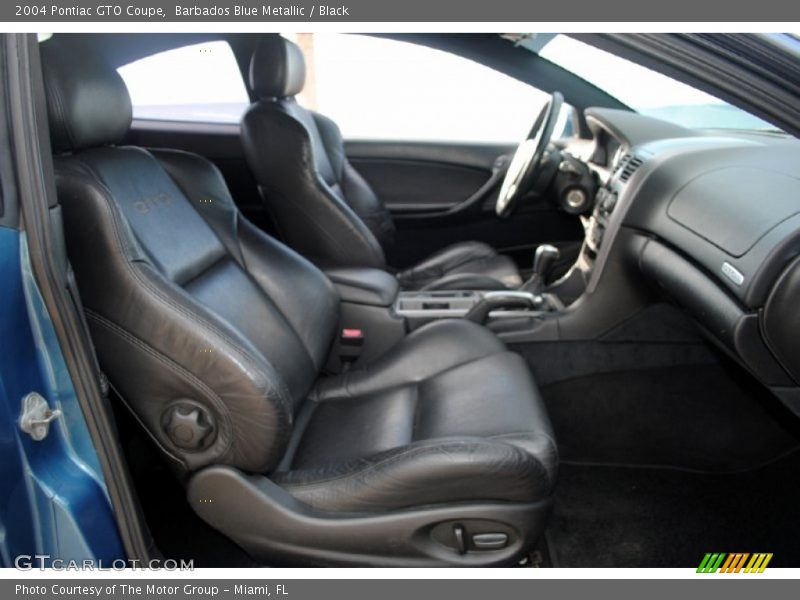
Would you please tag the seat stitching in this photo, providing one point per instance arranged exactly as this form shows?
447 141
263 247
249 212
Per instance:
155 290
347 377
169 363
530 435
524 434
248 358
273 304
292 125
410 452
242 262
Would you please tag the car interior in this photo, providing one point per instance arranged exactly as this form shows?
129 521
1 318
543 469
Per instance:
575 352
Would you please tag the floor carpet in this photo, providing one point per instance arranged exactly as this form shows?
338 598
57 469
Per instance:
660 466
646 517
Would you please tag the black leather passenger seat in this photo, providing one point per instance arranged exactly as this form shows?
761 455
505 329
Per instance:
323 207
215 334
450 405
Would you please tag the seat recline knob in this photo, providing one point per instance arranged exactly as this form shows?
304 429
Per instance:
189 426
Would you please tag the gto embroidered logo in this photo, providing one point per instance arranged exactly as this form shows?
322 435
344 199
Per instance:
150 202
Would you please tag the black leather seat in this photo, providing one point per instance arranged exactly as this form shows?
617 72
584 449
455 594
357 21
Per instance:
324 209
215 335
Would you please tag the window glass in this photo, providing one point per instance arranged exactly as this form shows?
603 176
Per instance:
385 89
201 82
647 92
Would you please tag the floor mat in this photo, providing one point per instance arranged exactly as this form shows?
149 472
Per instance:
652 517
700 417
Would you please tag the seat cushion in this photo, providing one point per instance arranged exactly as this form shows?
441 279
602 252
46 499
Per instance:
448 416
468 265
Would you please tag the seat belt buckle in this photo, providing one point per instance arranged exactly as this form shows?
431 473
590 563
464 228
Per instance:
351 341
352 337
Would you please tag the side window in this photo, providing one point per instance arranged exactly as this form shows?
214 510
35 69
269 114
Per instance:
385 89
200 83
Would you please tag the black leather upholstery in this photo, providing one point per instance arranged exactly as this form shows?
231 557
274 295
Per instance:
96 112
466 266
449 415
186 300
323 207
372 287
304 189
288 76
216 336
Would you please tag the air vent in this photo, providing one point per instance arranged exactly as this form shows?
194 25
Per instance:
629 167
620 162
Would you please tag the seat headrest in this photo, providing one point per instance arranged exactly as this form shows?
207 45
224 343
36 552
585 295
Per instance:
277 68
87 102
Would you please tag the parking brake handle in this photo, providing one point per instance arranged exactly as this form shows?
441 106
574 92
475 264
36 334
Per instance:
502 299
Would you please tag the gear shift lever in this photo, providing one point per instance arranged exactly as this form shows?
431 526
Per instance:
544 258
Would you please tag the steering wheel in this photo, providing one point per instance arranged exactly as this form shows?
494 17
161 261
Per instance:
526 165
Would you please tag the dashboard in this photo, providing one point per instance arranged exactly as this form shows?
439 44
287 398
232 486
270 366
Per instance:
712 221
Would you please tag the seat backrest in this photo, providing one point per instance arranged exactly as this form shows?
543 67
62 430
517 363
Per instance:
321 204
212 331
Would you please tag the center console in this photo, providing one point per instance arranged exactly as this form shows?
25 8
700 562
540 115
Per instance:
375 314
483 307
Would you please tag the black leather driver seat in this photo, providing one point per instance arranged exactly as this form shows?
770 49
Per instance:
439 452
324 209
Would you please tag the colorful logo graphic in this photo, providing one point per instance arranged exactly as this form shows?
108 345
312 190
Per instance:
739 562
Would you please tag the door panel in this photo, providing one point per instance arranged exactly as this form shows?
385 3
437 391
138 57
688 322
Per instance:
443 193
417 178
411 186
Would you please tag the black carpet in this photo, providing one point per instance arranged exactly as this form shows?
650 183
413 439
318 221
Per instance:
642 517
699 417
660 466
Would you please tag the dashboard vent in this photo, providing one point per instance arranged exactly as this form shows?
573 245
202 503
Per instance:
619 163
629 167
